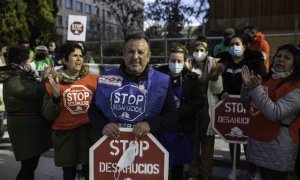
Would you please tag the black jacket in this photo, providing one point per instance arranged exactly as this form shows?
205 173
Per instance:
232 79
192 100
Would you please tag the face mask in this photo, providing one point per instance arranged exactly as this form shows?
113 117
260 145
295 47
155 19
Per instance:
175 67
199 56
128 156
236 51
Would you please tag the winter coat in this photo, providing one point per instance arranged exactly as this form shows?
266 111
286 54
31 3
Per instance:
192 98
279 153
29 132
260 44
232 78
71 146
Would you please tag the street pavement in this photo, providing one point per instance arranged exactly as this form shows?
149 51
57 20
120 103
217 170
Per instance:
48 171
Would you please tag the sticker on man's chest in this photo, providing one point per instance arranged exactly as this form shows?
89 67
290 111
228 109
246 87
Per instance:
110 80
128 102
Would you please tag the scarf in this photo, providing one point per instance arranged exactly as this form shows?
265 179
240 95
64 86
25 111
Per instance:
281 75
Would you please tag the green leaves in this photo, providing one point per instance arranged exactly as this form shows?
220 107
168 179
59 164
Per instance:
27 18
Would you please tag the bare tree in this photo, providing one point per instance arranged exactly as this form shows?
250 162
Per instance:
174 14
128 15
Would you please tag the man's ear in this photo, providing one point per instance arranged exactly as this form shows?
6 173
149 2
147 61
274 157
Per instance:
149 54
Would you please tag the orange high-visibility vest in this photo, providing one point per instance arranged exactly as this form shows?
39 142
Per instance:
263 129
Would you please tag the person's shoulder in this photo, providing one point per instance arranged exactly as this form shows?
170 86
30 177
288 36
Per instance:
7 72
158 76
254 55
112 71
188 74
158 73
224 57
164 68
220 45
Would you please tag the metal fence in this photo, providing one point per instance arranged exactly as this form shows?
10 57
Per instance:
109 52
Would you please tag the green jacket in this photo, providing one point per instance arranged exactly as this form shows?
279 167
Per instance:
41 64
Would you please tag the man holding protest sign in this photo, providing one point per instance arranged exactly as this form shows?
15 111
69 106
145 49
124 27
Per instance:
133 96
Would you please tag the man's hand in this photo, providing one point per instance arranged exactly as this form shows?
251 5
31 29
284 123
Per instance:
111 130
141 128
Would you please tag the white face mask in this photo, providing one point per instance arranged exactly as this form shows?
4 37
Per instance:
127 158
236 51
199 56
175 67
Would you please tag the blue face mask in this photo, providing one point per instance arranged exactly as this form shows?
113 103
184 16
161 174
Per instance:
236 51
175 67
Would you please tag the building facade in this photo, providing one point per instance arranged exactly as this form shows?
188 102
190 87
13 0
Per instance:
269 16
101 23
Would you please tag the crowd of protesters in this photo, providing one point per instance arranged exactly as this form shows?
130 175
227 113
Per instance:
178 97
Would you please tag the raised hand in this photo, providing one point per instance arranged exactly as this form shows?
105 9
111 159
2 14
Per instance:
249 79
246 75
54 86
47 71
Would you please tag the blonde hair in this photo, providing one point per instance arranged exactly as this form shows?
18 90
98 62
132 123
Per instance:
201 43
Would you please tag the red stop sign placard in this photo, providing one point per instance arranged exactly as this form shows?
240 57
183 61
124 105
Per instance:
230 120
77 99
151 160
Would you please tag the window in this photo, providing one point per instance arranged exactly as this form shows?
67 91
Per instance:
110 31
59 21
88 8
108 15
96 10
88 25
78 6
93 26
69 4
58 2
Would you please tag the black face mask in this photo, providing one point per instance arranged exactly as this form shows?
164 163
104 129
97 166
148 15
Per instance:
40 56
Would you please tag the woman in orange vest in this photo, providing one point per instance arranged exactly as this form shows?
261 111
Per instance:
67 101
274 105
